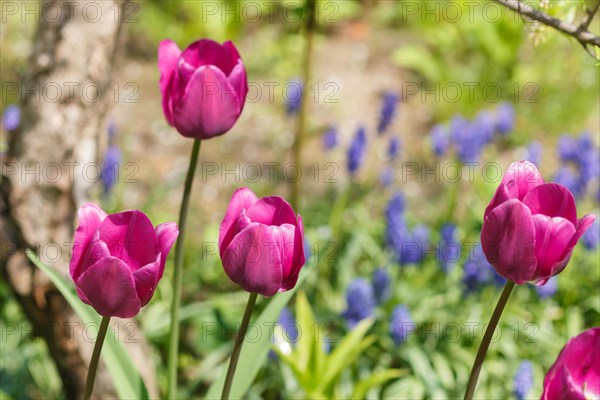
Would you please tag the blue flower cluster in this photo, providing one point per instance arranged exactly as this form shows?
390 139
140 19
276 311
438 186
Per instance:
382 285
580 163
360 302
293 96
356 151
409 246
393 148
330 138
534 152
388 110
478 272
401 324
448 251
471 137
523 380
110 165
287 322
11 117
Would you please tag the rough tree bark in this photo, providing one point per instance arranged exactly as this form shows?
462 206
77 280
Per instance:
50 168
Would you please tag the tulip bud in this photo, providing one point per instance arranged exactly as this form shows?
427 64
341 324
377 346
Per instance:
530 227
576 372
118 259
261 243
203 88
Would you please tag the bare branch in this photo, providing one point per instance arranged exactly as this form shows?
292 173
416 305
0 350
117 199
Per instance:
580 33
590 16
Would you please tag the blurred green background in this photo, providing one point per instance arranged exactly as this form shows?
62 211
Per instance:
362 48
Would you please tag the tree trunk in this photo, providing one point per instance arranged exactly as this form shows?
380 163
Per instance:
50 168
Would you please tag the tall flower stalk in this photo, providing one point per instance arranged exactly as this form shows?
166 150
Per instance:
237 348
178 273
487 337
261 244
91 375
529 231
200 114
306 76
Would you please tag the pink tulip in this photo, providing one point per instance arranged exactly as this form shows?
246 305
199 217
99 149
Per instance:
261 243
203 88
118 259
530 227
575 374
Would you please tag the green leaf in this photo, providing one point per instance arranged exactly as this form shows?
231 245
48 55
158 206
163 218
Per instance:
128 382
419 59
345 353
376 379
254 354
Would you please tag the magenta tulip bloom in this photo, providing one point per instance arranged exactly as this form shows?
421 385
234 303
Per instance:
118 259
203 88
575 374
261 242
530 227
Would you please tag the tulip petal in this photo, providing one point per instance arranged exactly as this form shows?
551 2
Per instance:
130 237
146 279
272 210
252 260
508 241
206 52
109 287
505 191
284 235
168 55
234 56
166 235
242 199
299 257
553 200
95 251
238 81
576 371
209 106
583 225
519 179
90 216
552 237
525 174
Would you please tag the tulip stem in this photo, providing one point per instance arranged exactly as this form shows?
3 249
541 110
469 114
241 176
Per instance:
237 348
91 375
487 337
178 274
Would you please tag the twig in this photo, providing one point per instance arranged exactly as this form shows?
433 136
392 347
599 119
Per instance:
590 16
582 35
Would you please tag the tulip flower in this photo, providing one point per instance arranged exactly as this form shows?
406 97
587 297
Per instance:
530 227
529 231
118 259
261 243
203 88
576 372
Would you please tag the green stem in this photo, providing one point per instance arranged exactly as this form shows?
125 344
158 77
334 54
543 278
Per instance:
178 274
237 348
91 376
301 127
487 337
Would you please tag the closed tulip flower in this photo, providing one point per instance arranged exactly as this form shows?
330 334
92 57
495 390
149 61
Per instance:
530 227
261 243
575 374
118 259
203 88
